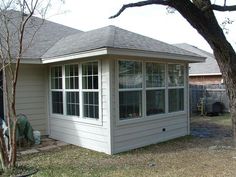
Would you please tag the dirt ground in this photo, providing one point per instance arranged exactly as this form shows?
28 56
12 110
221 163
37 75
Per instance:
215 127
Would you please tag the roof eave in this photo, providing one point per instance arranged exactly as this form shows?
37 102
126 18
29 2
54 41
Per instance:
31 61
123 52
90 53
205 74
150 54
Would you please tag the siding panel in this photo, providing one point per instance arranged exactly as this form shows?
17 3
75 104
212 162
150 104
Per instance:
78 132
31 95
138 133
135 135
147 140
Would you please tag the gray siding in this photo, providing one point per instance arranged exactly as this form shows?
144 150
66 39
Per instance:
148 132
139 133
88 135
31 97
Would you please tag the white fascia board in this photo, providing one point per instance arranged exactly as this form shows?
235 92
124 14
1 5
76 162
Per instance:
206 74
31 61
90 53
123 52
129 52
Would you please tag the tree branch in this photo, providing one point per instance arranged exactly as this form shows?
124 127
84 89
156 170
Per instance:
140 4
223 8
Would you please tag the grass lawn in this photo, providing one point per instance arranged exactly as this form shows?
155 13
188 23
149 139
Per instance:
222 120
183 157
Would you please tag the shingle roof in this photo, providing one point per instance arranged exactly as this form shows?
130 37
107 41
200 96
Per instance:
111 37
48 33
53 40
209 67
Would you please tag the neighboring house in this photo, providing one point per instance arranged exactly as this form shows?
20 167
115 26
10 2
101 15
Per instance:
205 73
109 89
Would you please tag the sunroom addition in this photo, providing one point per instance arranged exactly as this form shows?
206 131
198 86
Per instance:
109 89
117 90
113 105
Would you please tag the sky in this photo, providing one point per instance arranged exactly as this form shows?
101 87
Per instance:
152 21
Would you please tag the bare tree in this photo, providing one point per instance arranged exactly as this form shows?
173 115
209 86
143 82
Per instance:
17 31
200 14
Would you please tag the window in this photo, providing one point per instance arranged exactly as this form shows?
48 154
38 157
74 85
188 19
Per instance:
155 88
72 90
56 90
130 74
72 76
159 89
56 77
130 89
90 90
90 75
57 102
176 87
175 75
75 90
176 100
91 104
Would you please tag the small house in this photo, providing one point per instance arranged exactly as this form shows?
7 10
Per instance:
109 89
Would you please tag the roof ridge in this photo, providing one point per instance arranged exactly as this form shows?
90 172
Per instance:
111 35
58 41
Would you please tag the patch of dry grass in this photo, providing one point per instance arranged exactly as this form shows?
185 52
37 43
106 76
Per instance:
222 120
192 157
183 157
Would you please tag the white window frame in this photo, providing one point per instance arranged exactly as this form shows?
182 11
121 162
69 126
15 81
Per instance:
80 118
130 90
155 88
144 116
70 90
176 87
90 90
55 90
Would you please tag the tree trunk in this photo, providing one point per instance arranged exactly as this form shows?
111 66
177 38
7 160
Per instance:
233 117
205 22
3 152
227 62
13 145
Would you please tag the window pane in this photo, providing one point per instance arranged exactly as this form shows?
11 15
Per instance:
57 102
130 104
155 75
90 105
130 74
155 100
95 82
56 77
72 77
90 75
72 103
176 100
175 75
